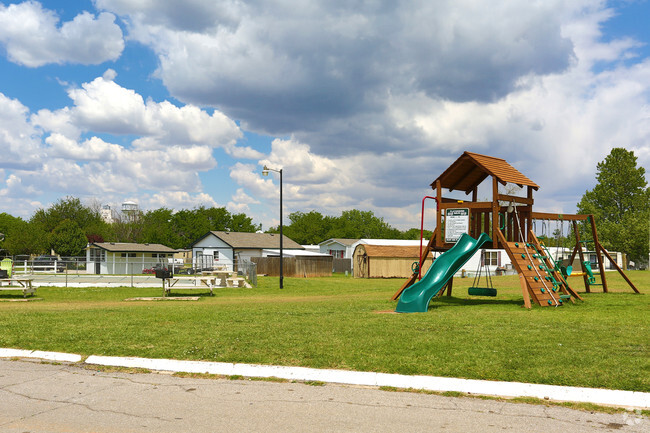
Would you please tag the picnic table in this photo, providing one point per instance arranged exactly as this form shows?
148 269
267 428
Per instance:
189 283
221 274
18 284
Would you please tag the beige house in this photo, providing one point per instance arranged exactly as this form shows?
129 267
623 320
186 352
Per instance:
387 261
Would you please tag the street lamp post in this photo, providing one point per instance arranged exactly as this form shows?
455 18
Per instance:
265 172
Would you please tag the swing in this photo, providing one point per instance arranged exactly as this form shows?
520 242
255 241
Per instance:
475 290
565 270
590 274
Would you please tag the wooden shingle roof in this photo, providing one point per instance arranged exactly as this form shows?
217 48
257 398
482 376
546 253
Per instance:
468 171
392 251
244 240
123 247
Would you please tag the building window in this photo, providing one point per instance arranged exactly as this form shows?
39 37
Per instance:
128 254
491 258
97 255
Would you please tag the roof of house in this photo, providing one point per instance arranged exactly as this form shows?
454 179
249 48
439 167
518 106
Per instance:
243 240
342 241
295 253
470 169
395 251
132 247
394 242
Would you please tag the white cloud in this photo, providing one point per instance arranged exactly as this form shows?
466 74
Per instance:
19 140
178 200
175 144
240 202
93 149
32 36
104 106
59 121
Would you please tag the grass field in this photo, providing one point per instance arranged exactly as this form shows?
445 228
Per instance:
345 323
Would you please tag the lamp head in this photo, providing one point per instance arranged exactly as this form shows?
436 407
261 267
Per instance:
265 171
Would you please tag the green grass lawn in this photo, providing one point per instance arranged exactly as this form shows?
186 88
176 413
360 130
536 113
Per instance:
345 323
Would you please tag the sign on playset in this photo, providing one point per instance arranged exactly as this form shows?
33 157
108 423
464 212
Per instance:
456 223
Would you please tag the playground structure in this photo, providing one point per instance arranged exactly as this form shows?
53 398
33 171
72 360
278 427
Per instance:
507 221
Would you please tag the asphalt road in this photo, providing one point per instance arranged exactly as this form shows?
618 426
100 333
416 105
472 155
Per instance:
40 397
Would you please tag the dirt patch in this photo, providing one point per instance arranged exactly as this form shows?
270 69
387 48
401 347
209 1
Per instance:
20 299
166 298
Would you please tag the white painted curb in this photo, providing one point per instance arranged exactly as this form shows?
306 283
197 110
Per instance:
51 356
610 397
631 399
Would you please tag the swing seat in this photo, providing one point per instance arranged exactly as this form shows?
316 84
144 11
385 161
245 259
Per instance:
592 278
482 291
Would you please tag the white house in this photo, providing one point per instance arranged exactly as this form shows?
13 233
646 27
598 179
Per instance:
224 249
124 258
338 248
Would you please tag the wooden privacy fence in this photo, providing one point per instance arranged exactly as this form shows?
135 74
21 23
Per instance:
302 267
342 265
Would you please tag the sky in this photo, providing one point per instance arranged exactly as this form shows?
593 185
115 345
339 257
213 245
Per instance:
362 104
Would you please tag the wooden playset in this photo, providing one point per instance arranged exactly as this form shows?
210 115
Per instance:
509 221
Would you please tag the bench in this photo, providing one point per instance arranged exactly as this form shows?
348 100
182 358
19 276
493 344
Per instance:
235 282
23 285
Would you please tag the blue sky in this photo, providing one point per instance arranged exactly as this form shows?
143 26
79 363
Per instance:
363 104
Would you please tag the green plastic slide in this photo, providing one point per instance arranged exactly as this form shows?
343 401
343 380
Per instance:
416 298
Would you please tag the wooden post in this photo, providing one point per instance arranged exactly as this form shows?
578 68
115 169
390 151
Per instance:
524 291
582 257
440 239
495 212
598 247
450 285
515 264
620 271
526 230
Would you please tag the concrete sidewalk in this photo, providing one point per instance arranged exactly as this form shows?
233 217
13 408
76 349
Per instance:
61 397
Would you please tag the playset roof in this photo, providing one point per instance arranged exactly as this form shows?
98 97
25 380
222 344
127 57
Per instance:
468 171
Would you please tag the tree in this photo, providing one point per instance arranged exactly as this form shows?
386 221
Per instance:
127 227
239 222
157 227
353 224
71 208
620 201
414 234
21 237
67 239
308 228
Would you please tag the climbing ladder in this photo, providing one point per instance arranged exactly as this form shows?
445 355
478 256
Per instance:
539 278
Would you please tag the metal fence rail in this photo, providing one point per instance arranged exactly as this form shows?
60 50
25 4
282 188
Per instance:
74 271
